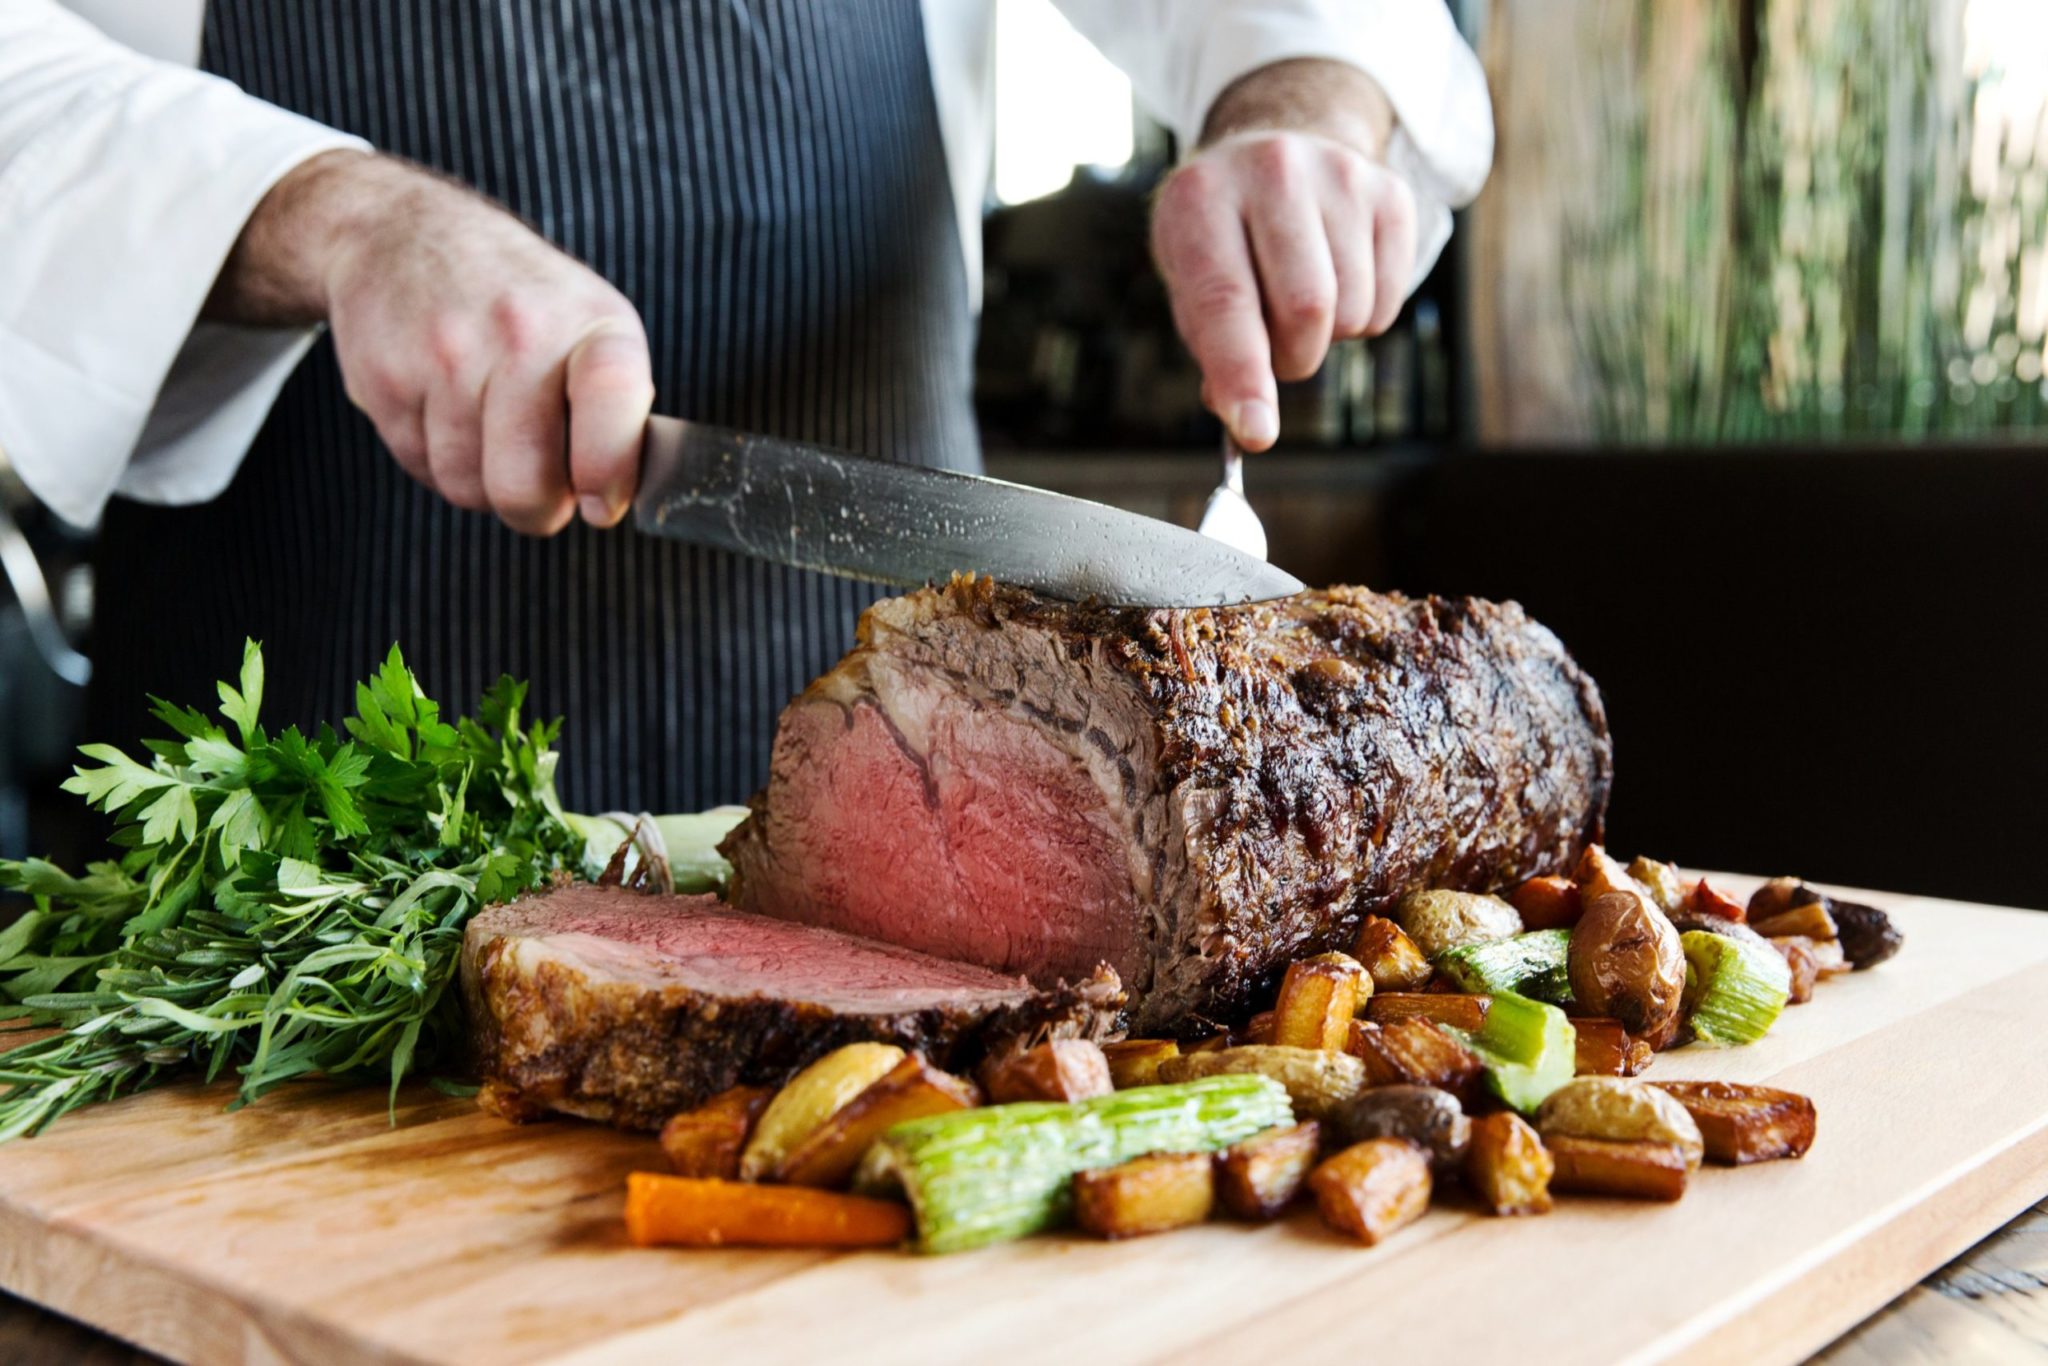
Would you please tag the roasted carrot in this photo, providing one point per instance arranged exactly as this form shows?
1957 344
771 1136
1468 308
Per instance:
705 1213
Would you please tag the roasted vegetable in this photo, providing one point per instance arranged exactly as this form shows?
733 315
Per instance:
1151 1194
707 1141
1429 1118
1625 962
1372 1189
1810 921
675 1209
810 1098
976 1177
1438 1007
1135 1062
1547 903
1667 890
1258 1029
1802 967
1605 1049
1507 1166
1317 1080
1741 1124
1260 1176
1418 1052
1708 900
1774 896
1063 1069
1599 874
1867 934
1390 957
1441 921
1734 992
1530 964
1528 1048
1319 997
1638 1170
912 1089
1622 1110
1215 1043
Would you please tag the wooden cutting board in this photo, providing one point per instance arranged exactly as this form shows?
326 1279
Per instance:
306 1229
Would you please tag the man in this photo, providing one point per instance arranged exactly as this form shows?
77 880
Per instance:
762 213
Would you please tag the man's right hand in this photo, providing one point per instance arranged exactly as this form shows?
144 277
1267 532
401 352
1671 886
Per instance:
501 372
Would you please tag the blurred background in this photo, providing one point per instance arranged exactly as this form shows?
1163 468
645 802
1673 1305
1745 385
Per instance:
1734 376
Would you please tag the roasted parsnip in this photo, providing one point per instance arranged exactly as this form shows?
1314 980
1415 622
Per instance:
1605 1049
809 1098
1414 1050
1150 1194
707 1141
1135 1062
1372 1189
1633 1170
1742 1124
1062 1069
1319 997
674 1209
912 1089
1390 957
1260 1176
1507 1166
1317 1080
1439 1007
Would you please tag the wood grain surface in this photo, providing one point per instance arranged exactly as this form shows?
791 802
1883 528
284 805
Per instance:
307 1229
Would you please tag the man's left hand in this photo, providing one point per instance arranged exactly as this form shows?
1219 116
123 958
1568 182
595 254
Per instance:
1276 241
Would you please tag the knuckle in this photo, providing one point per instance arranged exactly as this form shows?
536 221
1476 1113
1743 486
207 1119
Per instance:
1275 163
519 323
1306 306
1193 184
451 345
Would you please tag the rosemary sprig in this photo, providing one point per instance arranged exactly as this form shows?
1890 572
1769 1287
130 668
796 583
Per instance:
286 904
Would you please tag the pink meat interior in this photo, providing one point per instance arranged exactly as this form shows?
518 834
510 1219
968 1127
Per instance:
701 944
993 845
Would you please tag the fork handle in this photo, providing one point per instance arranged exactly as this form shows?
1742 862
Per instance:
1233 466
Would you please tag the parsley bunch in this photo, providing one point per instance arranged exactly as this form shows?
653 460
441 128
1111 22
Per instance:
285 904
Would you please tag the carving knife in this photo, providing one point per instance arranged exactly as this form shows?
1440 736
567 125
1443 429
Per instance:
847 514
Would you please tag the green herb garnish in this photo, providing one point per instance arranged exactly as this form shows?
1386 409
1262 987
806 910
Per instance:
286 905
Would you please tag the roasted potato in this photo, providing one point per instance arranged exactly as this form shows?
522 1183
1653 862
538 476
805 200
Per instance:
1437 921
1547 903
1135 1062
1415 1051
1429 1118
1621 1110
912 1089
1661 880
1742 1124
1867 934
1706 899
1438 1007
1507 1166
1319 997
1626 963
1810 921
1152 1194
1372 1189
1063 1069
1605 1049
810 1098
706 1142
1317 1080
1260 1176
1638 1170
1390 957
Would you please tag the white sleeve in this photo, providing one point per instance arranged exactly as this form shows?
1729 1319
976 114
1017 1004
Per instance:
123 183
1182 54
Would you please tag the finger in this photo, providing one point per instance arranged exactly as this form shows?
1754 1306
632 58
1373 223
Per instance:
1295 273
611 390
404 433
1393 240
453 422
1351 258
525 464
1199 241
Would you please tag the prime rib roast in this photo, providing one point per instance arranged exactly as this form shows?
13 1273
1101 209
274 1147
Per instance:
1193 798
626 1007
996 795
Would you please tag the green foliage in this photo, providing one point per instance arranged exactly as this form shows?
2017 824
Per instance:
284 904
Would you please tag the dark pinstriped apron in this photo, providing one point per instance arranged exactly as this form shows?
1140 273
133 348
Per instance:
764 179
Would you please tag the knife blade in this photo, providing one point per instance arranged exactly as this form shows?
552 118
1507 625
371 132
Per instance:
846 514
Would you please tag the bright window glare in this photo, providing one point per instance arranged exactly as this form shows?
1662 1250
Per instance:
1059 103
